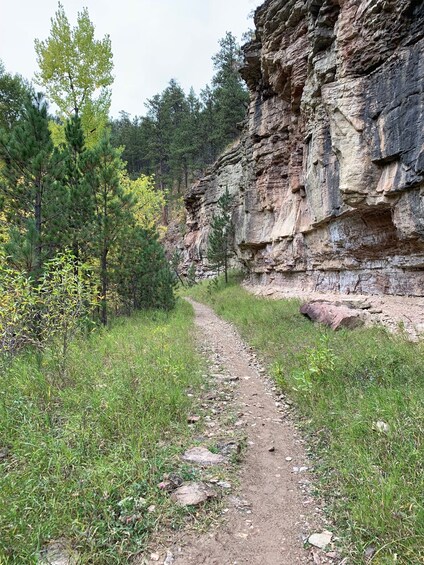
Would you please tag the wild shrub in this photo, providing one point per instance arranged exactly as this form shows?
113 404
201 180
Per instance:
18 303
191 275
319 365
51 310
66 298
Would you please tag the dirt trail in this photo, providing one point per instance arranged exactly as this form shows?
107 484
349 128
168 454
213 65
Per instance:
270 515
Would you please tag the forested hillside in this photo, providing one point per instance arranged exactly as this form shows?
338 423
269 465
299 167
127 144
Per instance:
64 187
181 133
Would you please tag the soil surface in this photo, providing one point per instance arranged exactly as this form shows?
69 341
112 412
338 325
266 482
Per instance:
397 313
271 514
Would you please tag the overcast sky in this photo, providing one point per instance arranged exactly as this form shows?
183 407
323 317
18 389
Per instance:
152 40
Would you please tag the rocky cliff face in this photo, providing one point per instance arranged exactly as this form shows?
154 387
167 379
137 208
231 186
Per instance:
328 176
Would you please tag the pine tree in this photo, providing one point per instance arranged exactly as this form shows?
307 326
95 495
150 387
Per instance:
79 207
208 126
14 94
157 125
30 185
220 241
190 139
112 209
130 134
167 119
142 275
230 94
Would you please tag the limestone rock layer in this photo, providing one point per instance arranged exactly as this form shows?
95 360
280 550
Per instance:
328 175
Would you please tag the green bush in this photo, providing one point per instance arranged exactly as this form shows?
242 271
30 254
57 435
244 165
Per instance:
143 278
319 365
18 303
52 309
66 300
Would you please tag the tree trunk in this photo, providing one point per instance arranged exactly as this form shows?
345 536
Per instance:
104 283
186 176
75 253
38 223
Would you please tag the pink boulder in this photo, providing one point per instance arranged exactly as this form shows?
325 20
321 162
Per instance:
336 317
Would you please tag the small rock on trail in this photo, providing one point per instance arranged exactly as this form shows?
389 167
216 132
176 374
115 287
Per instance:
192 494
202 456
321 540
58 552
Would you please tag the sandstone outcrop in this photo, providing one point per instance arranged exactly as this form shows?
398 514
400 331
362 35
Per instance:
328 176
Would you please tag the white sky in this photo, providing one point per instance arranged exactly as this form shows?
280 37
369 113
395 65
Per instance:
152 40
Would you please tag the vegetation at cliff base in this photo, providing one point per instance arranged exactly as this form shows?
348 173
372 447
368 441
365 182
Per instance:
221 234
361 397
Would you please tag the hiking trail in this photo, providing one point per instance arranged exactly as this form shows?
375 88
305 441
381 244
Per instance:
271 513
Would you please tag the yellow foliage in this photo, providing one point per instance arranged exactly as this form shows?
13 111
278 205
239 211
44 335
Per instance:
93 126
52 309
75 71
3 219
3 228
17 304
149 201
57 131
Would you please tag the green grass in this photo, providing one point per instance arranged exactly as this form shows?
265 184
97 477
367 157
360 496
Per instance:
86 453
343 383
